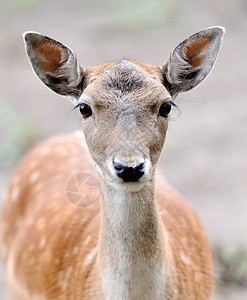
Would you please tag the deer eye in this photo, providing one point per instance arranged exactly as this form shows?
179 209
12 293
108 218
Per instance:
165 109
85 110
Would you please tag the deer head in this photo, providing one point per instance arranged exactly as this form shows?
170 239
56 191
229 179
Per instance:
124 105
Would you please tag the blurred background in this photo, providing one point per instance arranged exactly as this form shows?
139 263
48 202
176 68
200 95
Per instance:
205 152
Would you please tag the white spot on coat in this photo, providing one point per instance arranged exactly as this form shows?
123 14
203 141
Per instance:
34 176
89 258
15 193
42 243
67 234
88 239
44 151
75 250
185 258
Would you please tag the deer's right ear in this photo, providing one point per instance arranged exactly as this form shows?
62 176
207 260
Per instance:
55 64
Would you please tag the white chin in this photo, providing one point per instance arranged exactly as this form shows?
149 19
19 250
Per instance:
127 186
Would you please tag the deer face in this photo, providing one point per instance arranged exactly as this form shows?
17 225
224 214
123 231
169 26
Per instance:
124 105
125 111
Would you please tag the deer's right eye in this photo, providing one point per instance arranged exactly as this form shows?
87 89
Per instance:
85 110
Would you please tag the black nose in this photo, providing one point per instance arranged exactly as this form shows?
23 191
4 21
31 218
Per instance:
128 173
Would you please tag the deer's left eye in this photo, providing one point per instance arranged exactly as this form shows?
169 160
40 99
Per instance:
85 110
165 109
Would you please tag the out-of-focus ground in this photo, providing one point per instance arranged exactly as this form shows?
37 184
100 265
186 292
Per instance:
205 152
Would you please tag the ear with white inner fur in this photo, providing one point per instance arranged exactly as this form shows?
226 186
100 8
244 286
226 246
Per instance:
54 63
192 60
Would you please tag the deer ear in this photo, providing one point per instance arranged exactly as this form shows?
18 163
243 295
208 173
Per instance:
192 60
54 63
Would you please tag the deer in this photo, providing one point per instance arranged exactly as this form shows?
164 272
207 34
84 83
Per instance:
142 239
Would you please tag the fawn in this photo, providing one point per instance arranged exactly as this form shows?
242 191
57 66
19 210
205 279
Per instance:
141 240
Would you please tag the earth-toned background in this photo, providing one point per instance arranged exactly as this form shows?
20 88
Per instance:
205 152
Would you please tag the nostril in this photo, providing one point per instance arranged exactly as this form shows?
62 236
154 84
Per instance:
140 165
119 167
129 173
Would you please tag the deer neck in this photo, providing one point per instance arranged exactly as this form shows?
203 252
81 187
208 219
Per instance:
130 245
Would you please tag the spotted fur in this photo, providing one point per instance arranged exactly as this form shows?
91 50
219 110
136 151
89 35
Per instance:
141 240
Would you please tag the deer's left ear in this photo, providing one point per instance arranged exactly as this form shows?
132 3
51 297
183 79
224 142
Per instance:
192 60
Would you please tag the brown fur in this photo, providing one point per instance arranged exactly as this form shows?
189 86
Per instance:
46 213
141 240
50 50
194 55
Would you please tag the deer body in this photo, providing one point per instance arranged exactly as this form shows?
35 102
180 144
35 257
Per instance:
141 240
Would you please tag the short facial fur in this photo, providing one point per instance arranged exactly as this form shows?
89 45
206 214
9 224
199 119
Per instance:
125 96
